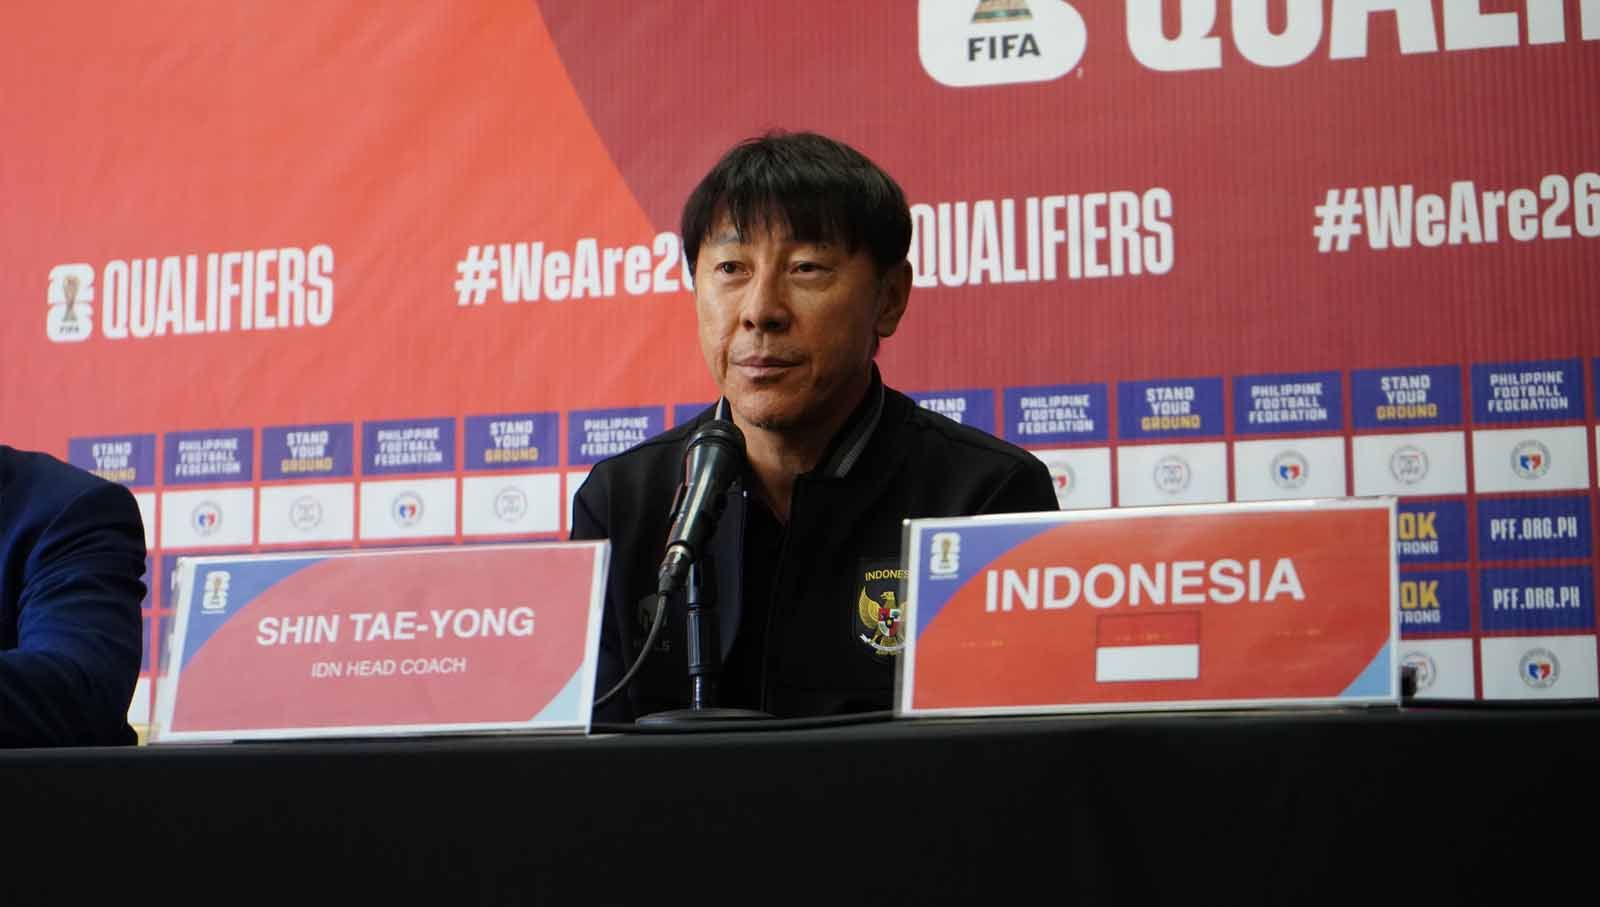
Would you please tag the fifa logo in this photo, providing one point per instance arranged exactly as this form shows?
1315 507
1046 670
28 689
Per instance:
71 292
946 558
214 598
999 42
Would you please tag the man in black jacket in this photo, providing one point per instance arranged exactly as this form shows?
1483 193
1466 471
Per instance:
798 246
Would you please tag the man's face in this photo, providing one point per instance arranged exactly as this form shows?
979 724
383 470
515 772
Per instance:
788 328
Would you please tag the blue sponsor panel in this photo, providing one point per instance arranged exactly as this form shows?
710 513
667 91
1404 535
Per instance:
1435 601
1383 398
968 407
126 459
685 412
1550 389
1528 529
593 435
1431 532
408 446
307 452
1305 402
1057 414
1169 409
209 457
512 441
1537 598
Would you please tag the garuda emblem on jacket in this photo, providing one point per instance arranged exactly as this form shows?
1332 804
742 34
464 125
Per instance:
883 622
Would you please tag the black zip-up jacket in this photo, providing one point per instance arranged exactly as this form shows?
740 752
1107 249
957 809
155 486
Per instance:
891 461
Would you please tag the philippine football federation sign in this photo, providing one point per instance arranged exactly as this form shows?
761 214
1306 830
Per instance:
431 640
1228 605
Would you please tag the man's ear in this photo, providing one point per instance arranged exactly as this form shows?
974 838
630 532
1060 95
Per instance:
894 293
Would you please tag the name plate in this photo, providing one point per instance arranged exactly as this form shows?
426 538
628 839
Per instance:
374 643
1135 609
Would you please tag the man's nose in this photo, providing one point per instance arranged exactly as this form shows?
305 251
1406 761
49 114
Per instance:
766 306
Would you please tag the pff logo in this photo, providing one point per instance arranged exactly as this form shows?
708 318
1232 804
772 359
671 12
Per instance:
1289 470
406 509
1066 481
999 42
206 518
1539 668
1530 460
70 297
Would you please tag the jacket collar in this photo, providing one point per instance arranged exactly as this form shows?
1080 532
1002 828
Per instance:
846 448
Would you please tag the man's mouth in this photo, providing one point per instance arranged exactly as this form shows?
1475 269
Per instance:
758 367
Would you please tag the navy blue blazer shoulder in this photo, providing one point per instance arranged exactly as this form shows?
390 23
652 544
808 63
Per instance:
72 561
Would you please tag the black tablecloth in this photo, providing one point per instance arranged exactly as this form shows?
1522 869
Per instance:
1415 805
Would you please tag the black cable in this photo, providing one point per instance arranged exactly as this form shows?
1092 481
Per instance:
649 643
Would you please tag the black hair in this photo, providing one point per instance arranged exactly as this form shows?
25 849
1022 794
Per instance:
822 190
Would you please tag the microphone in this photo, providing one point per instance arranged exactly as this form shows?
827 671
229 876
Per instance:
710 464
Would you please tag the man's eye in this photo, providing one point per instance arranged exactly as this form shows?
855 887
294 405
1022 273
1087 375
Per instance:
807 267
727 267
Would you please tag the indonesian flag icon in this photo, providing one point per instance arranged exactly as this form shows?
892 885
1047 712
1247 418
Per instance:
1147 647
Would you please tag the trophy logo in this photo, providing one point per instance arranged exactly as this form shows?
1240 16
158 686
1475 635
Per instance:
999 42
1001 11
214 599
1530 459
71 292
946 560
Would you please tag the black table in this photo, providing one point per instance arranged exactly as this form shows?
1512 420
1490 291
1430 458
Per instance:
1436 806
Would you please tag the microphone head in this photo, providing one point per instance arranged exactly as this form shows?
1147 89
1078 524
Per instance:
719 431
711 463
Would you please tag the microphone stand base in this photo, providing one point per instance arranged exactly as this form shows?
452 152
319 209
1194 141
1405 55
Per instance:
682 717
